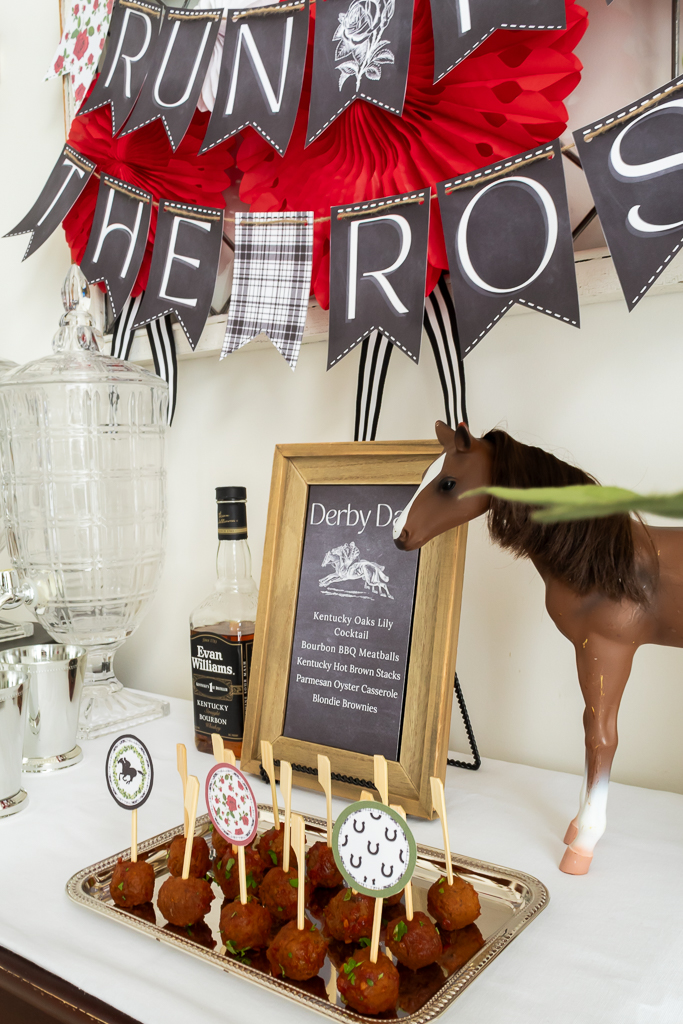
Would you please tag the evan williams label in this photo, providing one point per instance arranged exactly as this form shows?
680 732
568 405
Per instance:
220 669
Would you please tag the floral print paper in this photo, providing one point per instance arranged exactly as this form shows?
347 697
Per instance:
81 45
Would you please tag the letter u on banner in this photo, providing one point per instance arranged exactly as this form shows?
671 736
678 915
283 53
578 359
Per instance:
508 239
133 32
378 265
182 276
633 161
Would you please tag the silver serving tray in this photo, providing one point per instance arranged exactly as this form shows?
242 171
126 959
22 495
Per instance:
510 900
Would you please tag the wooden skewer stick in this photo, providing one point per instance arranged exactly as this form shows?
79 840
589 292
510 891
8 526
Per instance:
376 926
299 844
325 780
409 885
134 836
439 801
269 765
365 794
217 745
381 779
181 759
331 987
286 790
242 869
191 798
229 756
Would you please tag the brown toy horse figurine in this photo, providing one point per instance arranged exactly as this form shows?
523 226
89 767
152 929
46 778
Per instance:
612 584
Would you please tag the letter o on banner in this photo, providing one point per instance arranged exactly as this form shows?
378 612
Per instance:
547 205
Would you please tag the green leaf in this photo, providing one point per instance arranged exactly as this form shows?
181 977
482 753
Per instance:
120 886
586 501
347 896
294 882
400 930
380 976
251 881
290 955
229 867
91 31
441 891
273 856
279 910
370 981
365 941
231 946
350 965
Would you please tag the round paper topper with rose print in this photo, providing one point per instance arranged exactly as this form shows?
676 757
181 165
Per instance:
231 804
373 848
129 771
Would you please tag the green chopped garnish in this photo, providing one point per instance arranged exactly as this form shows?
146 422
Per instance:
350 964
352 979
442 879
231 946
289 955
441 891
251 881
229 867
207 878
273 856
234 914
120 886
436 929
400 930
188 929
294 882
347 895
283 970
422 924
279 910
365 941
312 927
370 981
380 976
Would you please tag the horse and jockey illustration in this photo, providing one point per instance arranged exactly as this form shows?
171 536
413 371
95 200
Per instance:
348 565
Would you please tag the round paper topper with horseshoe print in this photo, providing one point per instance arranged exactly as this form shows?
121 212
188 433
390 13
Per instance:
374 849
231 804
129 771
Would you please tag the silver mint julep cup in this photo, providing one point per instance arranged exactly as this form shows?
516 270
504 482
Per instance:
14 687
55 673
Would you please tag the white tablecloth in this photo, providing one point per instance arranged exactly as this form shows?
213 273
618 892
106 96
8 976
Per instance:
609 948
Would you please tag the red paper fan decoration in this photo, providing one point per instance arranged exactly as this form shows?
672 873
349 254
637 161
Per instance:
145 158
503 99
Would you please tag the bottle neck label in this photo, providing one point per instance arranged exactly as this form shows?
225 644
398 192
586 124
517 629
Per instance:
232 520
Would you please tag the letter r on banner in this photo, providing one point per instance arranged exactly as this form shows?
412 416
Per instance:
378 276
127 58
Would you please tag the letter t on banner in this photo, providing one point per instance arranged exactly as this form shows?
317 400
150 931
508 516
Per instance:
378 266
508 239
182 276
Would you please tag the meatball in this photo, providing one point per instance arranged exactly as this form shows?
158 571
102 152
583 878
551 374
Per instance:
414 943
132 883
219 843
454 906
322 869
200 861
184 901
295 954
459 947
417 987
320 898
245 926
278 893
349 917
270 847
367 987
226 872
198 932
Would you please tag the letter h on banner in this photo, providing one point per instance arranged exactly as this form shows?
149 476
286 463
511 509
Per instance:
508 239
378 266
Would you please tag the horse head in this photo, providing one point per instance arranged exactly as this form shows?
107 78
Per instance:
465 465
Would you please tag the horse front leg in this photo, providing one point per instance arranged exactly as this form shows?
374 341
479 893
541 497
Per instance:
604 668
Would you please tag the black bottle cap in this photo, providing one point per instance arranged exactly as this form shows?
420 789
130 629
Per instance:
231 494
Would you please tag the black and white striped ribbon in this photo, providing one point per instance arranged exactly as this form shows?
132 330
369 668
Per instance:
442 331
161 342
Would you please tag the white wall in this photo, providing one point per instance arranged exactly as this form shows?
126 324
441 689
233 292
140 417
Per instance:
607 396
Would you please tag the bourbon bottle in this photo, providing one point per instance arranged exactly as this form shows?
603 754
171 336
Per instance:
222 631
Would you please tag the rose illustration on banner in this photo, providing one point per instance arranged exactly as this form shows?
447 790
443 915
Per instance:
360 37
81 44
231 804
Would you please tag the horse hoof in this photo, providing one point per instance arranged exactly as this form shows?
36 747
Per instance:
571 833
574 863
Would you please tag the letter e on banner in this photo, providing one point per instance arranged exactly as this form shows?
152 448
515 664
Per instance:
508 239
378 266
182 275
634 169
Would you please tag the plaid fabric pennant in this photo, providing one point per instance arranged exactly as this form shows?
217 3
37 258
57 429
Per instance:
271 280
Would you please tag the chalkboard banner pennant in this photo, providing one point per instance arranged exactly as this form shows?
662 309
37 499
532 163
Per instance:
271 280
508 239
68 178
374 849
378 267
633 161
262 71
129 772
176 74
460 26
182 276
133 34
118 238
231 804
361 52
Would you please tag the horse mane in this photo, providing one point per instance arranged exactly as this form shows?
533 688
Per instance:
588 554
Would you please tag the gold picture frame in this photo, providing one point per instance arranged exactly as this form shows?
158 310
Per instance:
434 639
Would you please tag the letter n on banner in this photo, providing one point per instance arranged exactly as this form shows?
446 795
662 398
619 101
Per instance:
508 239
262 70
177 70
133 32
68 178
182 276
633 160
118 238
378 266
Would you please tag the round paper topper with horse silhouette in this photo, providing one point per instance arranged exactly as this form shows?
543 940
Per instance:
231 804
129 772
374 849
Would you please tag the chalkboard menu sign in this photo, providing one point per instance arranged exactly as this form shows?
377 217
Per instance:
353 621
